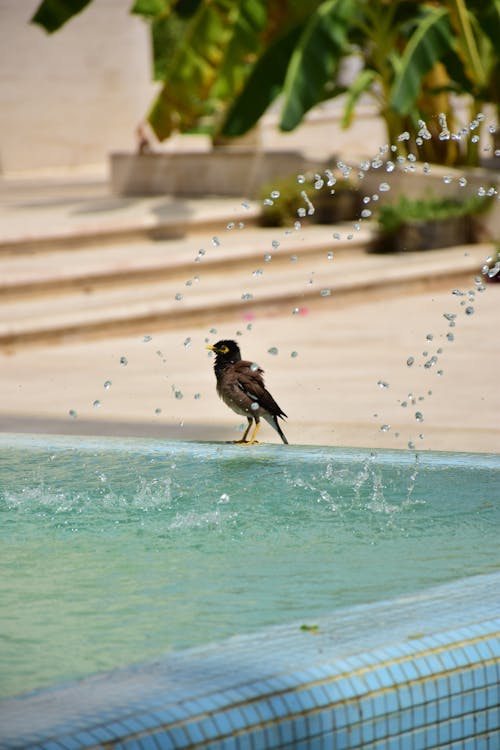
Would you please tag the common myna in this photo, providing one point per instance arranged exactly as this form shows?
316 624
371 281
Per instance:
241 386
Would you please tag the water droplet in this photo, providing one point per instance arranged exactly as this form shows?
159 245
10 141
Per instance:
257 273
382 384
187 342
294 354
404 136
268 202
147 339
440 372
179 297
411 445
404 404
254 406
197 396
469 310
430 336
301 179
329 256
245 204
431 362
390 166
336 236
385 428
275 244
275 194
384 187
293 259
177 393
96 404
366 213
449 316
123 361
254 366
273 350
72 413
419 416
410 361
325 292
157 410
447 179
107 384
450 336
224 498
297 225
215 241
231 225
462 181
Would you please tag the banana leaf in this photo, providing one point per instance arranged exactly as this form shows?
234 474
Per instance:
263 85
315 59
52 14
432 39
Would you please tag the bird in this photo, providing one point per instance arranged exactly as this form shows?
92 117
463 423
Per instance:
241 386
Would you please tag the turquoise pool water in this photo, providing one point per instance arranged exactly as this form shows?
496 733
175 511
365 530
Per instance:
115 551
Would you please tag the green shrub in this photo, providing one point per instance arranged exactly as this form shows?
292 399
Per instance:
392 216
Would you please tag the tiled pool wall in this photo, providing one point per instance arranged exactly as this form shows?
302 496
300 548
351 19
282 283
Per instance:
414 673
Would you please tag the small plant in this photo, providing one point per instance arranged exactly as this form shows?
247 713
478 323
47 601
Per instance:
393 216
424 224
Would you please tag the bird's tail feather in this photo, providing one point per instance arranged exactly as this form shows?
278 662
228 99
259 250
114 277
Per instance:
278 429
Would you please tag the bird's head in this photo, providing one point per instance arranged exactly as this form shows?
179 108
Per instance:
226 350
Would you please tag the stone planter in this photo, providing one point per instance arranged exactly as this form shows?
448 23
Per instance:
344 205
427 235
225 171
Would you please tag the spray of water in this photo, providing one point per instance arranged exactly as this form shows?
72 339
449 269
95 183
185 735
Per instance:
389 161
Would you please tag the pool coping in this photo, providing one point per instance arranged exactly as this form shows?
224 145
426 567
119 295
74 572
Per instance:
422 668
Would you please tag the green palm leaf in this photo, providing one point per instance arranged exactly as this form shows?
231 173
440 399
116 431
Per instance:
52 14
431 41
315 59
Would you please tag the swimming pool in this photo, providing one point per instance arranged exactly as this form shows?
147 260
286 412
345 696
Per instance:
117 551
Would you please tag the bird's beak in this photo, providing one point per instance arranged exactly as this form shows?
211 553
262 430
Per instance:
212 348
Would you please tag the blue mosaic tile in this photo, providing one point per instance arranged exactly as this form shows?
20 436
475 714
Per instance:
406 721
293 703
493 718
353 736
417 693
208 728
300 727
319 696
250 714
397 673
272 736
70 743
419 740
147 742
85 738
342 740
228 743
431 713
194 732
431 736
419 717
286 732
244 742
265 711
352 713
162 741
327 723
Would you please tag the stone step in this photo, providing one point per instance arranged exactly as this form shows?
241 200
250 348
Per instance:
136 262
221 291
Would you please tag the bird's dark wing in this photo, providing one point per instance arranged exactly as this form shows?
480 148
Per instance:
251 382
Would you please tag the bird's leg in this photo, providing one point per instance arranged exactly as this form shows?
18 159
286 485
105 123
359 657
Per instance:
254 434
244 438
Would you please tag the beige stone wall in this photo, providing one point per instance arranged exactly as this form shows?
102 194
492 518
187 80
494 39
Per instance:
68 99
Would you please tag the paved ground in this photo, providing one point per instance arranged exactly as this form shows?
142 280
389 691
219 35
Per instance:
340 371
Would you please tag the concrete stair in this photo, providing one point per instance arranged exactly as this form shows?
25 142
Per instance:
112 277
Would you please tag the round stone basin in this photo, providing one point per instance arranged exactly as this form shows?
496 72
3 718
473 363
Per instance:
115 551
